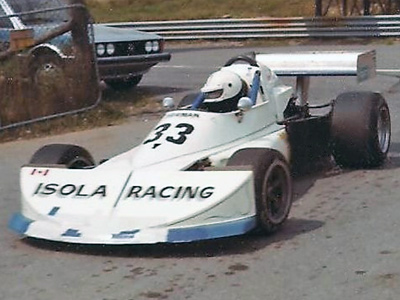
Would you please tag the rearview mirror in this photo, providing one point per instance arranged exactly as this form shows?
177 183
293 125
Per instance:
168 103
245 104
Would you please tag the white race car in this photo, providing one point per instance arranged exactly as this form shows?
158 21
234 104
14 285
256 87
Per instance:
218 165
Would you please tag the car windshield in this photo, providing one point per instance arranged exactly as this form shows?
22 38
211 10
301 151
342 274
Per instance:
23 6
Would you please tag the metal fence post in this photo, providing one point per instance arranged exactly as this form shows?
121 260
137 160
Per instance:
318 8
367 7
344 7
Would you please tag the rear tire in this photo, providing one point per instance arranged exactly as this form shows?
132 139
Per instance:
70 156
360 130
272 185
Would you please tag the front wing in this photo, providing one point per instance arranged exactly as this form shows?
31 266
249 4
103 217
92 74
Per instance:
123 207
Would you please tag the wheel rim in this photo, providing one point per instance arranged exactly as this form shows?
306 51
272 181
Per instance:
79 163
383 129
276 193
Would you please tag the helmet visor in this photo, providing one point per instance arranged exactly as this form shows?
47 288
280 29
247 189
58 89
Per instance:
214 94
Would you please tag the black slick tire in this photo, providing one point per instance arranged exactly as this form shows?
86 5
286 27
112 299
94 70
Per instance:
272 185
70 156
360 130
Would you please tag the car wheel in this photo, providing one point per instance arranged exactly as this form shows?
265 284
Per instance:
70 156
360 129
126 83
272 184
46 67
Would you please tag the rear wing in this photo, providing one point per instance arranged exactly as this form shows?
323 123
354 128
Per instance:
303 65
322 63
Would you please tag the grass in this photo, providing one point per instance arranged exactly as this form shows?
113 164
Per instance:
146 10
115 107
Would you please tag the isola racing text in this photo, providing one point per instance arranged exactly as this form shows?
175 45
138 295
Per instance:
135 192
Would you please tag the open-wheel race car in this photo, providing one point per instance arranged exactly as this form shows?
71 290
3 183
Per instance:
217 165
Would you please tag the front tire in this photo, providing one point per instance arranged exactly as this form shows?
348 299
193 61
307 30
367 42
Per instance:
272 185
360 129
70 156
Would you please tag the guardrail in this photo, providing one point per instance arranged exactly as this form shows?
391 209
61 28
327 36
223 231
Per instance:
317 27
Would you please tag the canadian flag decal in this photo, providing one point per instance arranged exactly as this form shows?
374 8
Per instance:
42 172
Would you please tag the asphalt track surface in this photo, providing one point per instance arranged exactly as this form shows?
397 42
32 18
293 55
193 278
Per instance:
340 242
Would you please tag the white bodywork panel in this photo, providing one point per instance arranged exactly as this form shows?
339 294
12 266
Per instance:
227 133
127 207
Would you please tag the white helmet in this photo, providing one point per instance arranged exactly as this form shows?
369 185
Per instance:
223 90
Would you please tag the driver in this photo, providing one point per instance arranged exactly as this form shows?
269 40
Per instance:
222 91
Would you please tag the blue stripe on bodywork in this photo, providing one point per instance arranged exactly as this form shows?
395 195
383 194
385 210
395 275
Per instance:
125 234
53 211
72 233
19 223
213 231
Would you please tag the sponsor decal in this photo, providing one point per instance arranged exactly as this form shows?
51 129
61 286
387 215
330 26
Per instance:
161 134
171 193
70 190
135 192
187 114
42 172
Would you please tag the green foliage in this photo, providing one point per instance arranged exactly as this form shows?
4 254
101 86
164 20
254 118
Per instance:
145 10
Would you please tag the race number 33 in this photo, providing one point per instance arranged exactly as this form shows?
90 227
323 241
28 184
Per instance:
178 138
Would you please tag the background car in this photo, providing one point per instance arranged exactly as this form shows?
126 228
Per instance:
47 61
123 54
